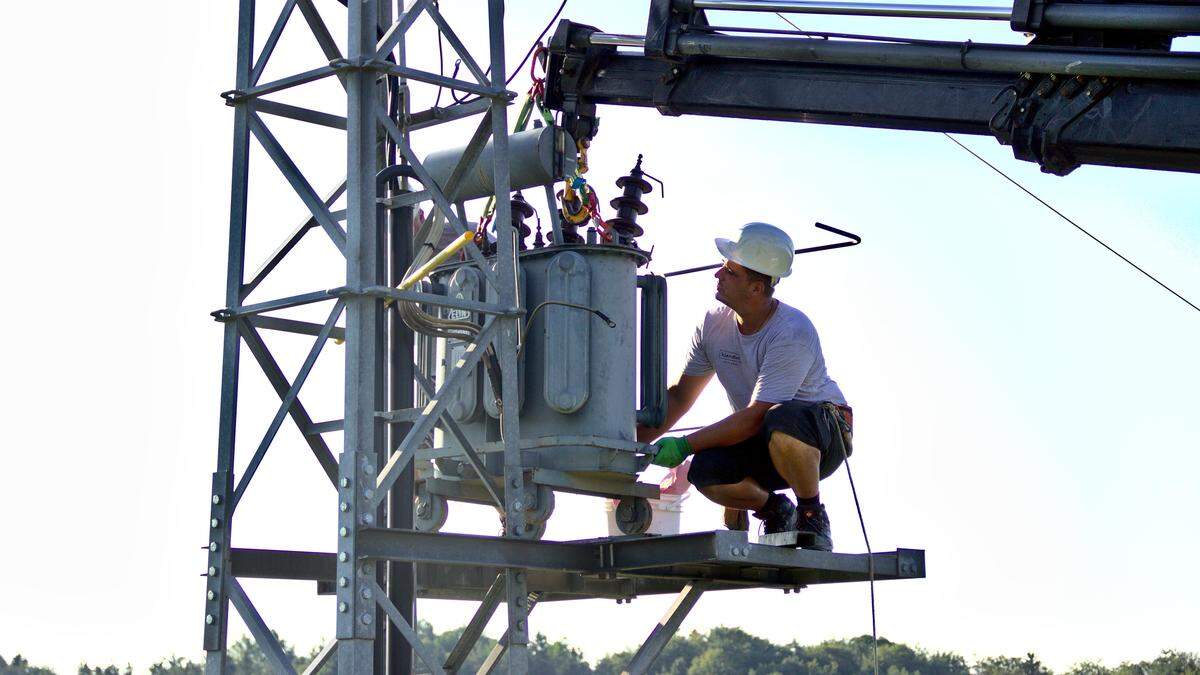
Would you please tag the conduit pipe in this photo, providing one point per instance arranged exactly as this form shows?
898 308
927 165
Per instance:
1181 19
947 56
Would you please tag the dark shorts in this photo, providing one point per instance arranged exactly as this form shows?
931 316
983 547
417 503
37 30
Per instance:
803 420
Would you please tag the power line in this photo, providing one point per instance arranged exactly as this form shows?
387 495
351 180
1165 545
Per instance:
1072 222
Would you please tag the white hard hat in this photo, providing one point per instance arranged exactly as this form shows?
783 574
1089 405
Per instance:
761 247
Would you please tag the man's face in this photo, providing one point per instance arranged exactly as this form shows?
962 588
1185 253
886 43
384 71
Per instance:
733 285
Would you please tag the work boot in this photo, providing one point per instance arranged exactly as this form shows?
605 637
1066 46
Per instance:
812 527
778 514
737 519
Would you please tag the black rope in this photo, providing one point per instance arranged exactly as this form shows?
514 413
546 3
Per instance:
1073 223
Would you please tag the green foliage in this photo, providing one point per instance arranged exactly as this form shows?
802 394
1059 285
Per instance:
177 665
1008 665
732 651
1168 663
21 666
721 651
85 669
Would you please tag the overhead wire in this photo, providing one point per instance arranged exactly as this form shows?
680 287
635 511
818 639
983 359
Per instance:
516 71
1074 224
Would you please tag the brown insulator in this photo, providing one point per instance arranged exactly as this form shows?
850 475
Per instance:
520 211
629 205
538 240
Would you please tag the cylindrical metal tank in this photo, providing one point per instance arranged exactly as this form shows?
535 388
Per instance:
537 157
579 375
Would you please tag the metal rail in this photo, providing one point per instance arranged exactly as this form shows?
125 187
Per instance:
911 11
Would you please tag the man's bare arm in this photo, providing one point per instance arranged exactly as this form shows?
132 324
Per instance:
735 428
680 398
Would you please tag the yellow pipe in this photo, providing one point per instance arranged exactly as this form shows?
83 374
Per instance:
441 257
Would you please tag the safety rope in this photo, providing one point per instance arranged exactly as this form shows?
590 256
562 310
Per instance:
834 416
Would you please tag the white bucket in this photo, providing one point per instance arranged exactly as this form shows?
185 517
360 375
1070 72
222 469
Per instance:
666 515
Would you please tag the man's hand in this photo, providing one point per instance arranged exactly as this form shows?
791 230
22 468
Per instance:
672 450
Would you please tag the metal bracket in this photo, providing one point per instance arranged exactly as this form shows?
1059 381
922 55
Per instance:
1041 107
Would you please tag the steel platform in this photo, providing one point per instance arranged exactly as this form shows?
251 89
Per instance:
618 568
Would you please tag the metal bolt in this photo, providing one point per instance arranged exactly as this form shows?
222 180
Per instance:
212 571
365 618
216 499
212 595
214 523
367 569
521 625
345 482
369 469
343 582
209 619
368 493
213 546
519 505
516 482
368 518
367 594
344 507
518 528
343 557
343 531
342 607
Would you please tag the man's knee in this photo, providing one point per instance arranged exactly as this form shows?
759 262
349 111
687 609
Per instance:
784 447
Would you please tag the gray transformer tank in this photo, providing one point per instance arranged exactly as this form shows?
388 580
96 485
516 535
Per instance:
579 378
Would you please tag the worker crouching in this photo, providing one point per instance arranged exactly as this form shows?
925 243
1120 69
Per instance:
790 425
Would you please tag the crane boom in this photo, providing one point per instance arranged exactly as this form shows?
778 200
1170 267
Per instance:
1071 97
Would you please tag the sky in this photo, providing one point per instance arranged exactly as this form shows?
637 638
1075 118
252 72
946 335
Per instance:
1025 402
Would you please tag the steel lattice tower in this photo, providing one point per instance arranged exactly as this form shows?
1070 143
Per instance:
380 563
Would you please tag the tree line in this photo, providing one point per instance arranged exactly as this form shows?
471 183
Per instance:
720 651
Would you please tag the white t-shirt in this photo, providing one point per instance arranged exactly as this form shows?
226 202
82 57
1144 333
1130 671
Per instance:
780 362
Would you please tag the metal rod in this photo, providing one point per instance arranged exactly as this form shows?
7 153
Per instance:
298 182
364 435
911 11
321 658
281 385
290 243
405 628
474 628
443 81
441 301
292 326
279 85
1178 19
436 116
617 40
416 435
665 629
281 303
458 46
216 606
947 56
396 32
285 405
272 40
258 628
295 112
855 241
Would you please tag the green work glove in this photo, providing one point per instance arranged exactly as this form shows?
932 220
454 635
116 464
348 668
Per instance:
672 450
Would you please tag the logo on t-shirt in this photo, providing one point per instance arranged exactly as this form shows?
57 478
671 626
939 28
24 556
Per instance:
729 357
